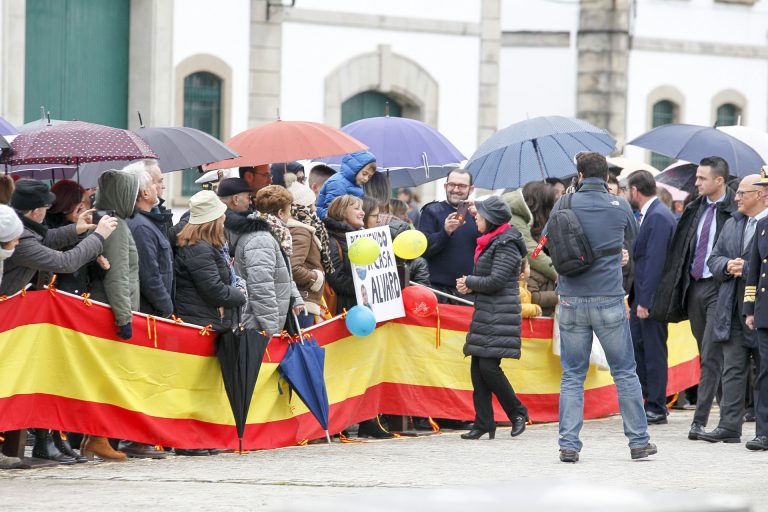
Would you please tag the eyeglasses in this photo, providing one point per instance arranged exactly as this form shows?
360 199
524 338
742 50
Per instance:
740 193
459 186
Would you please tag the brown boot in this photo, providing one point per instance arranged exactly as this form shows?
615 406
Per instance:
96 445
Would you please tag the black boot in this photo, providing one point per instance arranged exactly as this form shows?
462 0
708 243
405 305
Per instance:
45 449
62 443
373 428
477 433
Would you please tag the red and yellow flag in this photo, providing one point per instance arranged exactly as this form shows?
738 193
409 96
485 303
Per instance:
62 367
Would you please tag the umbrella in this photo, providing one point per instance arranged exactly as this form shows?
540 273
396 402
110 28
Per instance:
4 143
693 143
405 146
240 353
7 128
676 193
628 166
752 137
535 149
76 143
285 141
180 148
681 175
303 367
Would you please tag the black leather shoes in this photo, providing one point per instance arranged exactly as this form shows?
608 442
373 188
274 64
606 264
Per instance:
721 435
749 416
477 433
567 455
141 451
45 449
758 444
518 426
643 451
62 443
192 453
655 419
373 428
696 430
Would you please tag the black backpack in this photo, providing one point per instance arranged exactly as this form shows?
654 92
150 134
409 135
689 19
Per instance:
569 246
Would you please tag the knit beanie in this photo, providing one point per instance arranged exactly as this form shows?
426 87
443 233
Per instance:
10 224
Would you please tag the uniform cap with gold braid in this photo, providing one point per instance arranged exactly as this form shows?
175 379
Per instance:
763 178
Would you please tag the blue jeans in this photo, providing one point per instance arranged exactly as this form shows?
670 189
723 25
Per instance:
607 317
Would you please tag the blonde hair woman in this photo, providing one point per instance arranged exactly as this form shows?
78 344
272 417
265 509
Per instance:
205 294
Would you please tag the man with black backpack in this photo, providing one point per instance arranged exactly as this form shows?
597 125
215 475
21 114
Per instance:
586 231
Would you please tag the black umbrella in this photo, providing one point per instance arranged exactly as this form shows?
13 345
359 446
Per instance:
682 176
240 352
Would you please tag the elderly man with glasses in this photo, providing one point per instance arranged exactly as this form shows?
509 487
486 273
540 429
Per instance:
451 233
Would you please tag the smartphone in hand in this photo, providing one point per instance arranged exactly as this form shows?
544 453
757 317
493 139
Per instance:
462 210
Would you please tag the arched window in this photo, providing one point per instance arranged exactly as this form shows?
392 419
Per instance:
728 114
664 112
369 104
202 110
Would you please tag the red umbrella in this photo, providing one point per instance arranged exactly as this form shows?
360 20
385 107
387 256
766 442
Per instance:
284 141
76 143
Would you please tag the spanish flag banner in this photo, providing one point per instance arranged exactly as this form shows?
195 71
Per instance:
62 367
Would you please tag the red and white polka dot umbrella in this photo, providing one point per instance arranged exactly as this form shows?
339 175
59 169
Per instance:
76 143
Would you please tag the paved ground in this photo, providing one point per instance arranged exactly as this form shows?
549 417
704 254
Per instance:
303 477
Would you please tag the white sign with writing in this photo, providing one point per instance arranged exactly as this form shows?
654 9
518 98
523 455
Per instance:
377 285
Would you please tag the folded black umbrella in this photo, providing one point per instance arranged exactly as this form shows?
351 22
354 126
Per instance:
240 352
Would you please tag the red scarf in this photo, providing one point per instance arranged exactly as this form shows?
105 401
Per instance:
484 240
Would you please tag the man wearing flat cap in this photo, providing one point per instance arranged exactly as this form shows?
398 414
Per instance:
236 194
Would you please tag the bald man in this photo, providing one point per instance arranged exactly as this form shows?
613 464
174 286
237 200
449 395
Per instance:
729 265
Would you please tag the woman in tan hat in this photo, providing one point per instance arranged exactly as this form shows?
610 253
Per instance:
205 291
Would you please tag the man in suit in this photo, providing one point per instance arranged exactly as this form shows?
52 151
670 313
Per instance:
756 312
649 252
729 264
687 289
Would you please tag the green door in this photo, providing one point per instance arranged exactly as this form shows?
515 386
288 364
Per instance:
368 104
77 60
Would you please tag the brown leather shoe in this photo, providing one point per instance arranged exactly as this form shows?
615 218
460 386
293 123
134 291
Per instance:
141 451
99 446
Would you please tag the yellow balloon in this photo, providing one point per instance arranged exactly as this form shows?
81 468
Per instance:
364 251
410 244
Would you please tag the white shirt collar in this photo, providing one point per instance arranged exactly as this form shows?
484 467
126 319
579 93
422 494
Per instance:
760 216
647 205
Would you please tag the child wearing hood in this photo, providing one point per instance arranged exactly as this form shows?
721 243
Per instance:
529 309
356 170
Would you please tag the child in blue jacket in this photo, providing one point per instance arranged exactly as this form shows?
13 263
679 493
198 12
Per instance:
356 169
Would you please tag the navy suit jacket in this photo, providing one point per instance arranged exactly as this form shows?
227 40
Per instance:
650 252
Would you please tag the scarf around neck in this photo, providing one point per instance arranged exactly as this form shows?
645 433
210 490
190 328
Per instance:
279 231
484 240
310 218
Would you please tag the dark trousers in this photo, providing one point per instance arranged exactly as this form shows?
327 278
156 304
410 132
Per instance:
649 339
737 357
702 301
761 386
489 380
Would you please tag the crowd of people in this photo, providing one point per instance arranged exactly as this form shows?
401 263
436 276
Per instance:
269 248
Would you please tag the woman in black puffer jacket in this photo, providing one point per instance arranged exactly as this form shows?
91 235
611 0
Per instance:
205 291
495 329
345 214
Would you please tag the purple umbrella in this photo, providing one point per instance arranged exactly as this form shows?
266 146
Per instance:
402 145
7 128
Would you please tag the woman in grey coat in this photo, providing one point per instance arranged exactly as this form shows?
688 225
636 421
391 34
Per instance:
495 329
264 262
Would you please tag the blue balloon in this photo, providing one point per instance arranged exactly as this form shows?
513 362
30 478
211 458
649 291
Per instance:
360 321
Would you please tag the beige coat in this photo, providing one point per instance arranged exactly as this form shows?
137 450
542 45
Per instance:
306 264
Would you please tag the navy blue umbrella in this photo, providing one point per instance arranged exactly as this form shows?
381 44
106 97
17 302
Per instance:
303 367
693 143
534 149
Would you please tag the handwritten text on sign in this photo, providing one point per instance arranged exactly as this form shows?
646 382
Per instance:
377 285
